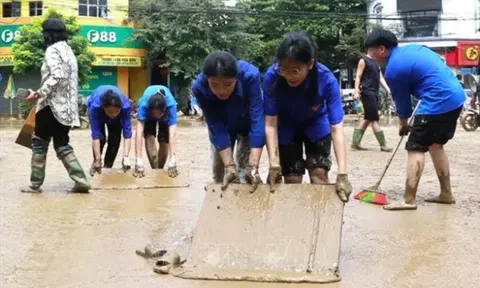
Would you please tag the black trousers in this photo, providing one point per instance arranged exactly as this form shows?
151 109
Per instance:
113 140
47 127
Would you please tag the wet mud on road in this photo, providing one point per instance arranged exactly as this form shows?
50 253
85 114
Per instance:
57 239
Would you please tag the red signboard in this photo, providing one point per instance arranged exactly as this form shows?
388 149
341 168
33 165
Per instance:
468 53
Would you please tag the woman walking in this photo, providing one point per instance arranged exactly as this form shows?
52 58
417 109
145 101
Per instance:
57 108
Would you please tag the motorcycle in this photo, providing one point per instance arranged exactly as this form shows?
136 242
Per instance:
470 118
349 104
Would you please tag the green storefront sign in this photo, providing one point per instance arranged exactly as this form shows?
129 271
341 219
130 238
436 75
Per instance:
109 36
7 34
99 36
100 76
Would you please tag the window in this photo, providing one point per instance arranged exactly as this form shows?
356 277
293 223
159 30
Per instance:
377 11
92 8
36 8
12 9
421 23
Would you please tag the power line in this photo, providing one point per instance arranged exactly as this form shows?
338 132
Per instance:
275 13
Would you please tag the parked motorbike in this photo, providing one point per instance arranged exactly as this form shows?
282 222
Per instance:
348 104
470 118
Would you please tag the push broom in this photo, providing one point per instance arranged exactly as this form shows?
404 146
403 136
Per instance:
373 194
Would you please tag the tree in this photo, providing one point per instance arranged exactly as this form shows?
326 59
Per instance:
29 51
351 46
323 20
181 37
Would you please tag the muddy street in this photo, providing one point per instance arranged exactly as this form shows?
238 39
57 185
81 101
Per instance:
56 239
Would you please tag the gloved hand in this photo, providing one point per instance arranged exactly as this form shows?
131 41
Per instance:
139 169
96 167
172 168
231 175
274 177
253 177
126 164
343 187
403 129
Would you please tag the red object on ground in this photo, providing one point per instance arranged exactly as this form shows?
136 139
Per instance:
373 197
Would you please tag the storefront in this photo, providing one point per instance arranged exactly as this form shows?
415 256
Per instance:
118 59
463 56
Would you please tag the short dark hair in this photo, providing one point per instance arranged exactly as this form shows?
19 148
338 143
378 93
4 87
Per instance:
157 101
111 98
220 63
381 37
298 46
54 30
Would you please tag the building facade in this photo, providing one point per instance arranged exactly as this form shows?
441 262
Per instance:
449 27
104 23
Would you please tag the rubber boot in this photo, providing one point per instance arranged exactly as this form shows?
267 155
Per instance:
383 143
38 163
357 139
75 170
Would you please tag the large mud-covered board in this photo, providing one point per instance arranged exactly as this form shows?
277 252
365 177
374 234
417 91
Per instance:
292 235
25 136
112 179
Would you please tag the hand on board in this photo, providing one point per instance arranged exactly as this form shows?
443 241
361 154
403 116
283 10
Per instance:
274 177
126 164
96 167
253 177
139 171
231 175
343 187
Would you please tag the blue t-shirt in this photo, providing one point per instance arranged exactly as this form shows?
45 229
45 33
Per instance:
416 70
241 113
170 116
296 110
98 117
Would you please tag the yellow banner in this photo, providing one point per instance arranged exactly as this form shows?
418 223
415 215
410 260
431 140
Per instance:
122 61
6 60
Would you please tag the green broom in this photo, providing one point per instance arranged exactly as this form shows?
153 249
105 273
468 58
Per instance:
373 194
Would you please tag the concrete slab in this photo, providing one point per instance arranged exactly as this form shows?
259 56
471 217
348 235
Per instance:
292 235
116 179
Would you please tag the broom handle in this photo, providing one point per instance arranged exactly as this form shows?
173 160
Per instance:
396 148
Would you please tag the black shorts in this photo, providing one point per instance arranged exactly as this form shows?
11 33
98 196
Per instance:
318 155
370 106
432 129
150 128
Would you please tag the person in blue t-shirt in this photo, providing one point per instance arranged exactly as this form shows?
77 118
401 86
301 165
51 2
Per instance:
230 96
417 70
156 106
303 107
107 106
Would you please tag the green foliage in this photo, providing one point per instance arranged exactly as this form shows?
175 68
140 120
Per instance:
29 50
351 47
323 20
182 40
181 33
